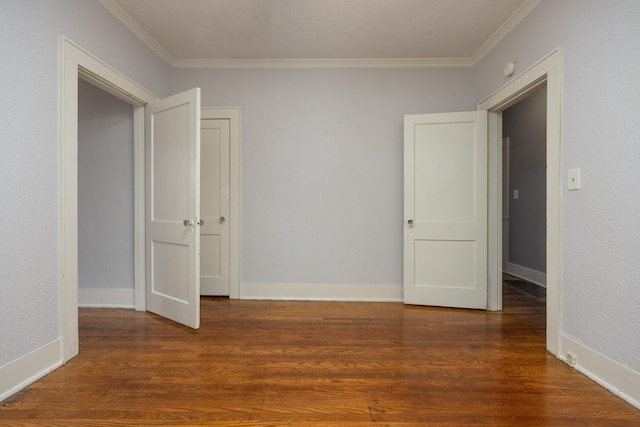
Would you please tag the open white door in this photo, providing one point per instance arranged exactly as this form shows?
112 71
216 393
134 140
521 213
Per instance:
172 132
445 209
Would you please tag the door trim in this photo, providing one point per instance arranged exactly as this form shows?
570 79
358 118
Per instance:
233 115
546 71
78 63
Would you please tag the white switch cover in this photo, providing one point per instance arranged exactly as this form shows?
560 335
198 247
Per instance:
573 179
516 194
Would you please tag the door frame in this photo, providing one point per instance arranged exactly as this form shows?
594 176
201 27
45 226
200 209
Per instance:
545 71
233 114
78 63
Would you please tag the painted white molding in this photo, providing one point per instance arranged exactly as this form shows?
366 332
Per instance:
69 205
100 74
321 292
325 63
140 298
547 71
106 298
465 62
235 189
533 276
29 368
75 63
136 29
517 17
622 381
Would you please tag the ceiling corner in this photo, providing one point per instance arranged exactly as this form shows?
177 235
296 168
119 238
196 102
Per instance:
504 29
122 16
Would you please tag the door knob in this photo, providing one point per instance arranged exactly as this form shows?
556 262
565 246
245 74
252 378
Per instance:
410 222
201 222
188 222
222 219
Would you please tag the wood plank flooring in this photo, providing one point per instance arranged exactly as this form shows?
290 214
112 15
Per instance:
269 363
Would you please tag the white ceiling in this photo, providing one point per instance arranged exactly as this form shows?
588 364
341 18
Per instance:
228 32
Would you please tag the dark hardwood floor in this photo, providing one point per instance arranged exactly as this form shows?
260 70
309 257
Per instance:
268 363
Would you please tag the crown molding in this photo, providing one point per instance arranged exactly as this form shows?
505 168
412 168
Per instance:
136 29
517 17
469 62
325 63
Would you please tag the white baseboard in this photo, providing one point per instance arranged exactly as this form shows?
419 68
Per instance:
29 368
618 379
532 276
321 292
106 298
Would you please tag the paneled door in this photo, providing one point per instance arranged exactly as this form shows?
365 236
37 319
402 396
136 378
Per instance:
445 209
214 197
172 149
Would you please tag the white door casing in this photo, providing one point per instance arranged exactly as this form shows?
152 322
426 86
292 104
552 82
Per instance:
214 198
172 135
547 71
445 209
75 63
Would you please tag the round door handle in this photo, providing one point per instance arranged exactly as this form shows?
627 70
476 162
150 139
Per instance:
410 222
201 222
188 223
222 219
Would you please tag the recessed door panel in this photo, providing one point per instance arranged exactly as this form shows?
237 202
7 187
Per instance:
445 172
170 265
170 164
445 263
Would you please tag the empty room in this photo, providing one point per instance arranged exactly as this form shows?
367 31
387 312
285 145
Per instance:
286 212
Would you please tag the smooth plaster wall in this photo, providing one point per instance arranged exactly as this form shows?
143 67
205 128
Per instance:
322 174
105 190
526 125
29 152
600 289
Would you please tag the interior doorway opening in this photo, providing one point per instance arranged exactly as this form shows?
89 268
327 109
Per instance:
77 63
106 262
524 195
545 72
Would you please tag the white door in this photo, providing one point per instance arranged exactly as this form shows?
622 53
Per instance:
214 211
172 132
445 209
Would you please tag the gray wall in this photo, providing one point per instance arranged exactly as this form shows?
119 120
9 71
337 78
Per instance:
105 191
29 177
322 174
525 124
29 152
600 241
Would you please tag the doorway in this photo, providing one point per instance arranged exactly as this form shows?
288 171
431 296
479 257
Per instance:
544 72
105 199
220 202
77 63
524 195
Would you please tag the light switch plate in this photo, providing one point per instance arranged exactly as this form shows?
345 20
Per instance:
573 179
516 194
